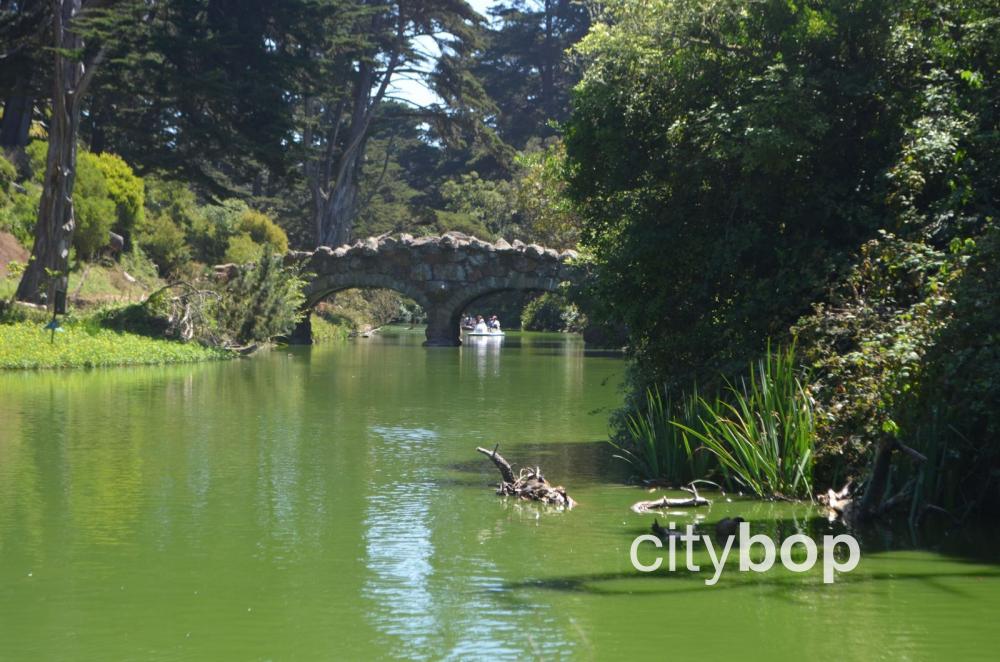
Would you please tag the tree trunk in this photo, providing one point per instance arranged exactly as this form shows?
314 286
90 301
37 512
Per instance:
334 178
16 120
56 219
338 209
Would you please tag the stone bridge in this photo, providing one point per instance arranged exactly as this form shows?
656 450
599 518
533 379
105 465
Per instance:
443 274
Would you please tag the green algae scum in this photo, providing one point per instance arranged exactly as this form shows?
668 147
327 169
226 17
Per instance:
328 503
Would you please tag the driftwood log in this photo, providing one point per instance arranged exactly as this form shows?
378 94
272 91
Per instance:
666 502
529 484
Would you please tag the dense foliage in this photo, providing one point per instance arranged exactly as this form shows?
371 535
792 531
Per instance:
261 302
737 165
727 159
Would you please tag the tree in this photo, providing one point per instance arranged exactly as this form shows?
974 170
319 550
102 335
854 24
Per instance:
205 90
688 117
524 67
363 49
23 32
74 65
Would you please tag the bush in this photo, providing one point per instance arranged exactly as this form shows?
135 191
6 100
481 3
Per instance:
263 231
261 302
865 348
106 195
20 214
138 265
243 249
552 312
165 243
148 318
233 232
16 215
95 210
8 173
124 189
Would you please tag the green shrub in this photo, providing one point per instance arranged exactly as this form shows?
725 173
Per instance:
106 195
12 216
261 302
243 249
139 265
164 243
233 232
147 318
95 210
8 174
441 221
19 215
125 189
543 313
865 347
323 330
37 153
552 312
263 231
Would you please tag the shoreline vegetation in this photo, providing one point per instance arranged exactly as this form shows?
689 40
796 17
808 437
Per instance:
735 176
82 344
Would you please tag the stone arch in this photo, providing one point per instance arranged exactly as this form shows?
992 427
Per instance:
442 274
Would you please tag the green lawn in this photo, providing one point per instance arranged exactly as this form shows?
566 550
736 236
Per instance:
81 345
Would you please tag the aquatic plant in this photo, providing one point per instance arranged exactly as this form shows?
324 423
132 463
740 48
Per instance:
762 430
659 449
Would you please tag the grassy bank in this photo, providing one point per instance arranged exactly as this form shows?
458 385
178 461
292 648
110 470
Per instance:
83 345
324 331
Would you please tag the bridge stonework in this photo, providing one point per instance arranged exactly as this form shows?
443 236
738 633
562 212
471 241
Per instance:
443 274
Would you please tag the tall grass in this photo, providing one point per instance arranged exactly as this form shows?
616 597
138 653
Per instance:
763 429
658 448
760 432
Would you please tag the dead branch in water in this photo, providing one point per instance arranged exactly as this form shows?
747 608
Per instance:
530 484
666 502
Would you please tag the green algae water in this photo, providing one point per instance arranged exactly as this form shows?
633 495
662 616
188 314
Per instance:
328 503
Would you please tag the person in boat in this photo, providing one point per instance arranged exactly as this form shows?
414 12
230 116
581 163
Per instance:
480 325
494 324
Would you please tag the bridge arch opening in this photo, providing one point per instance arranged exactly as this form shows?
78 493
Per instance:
364 310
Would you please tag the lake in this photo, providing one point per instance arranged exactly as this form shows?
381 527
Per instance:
328 502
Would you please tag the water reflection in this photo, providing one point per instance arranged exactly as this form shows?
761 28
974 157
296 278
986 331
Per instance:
397 528
486 352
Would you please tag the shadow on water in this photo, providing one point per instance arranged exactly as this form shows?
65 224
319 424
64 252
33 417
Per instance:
879 543
686 581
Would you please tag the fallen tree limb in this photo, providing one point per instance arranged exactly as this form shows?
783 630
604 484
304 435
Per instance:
530 484
693 501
